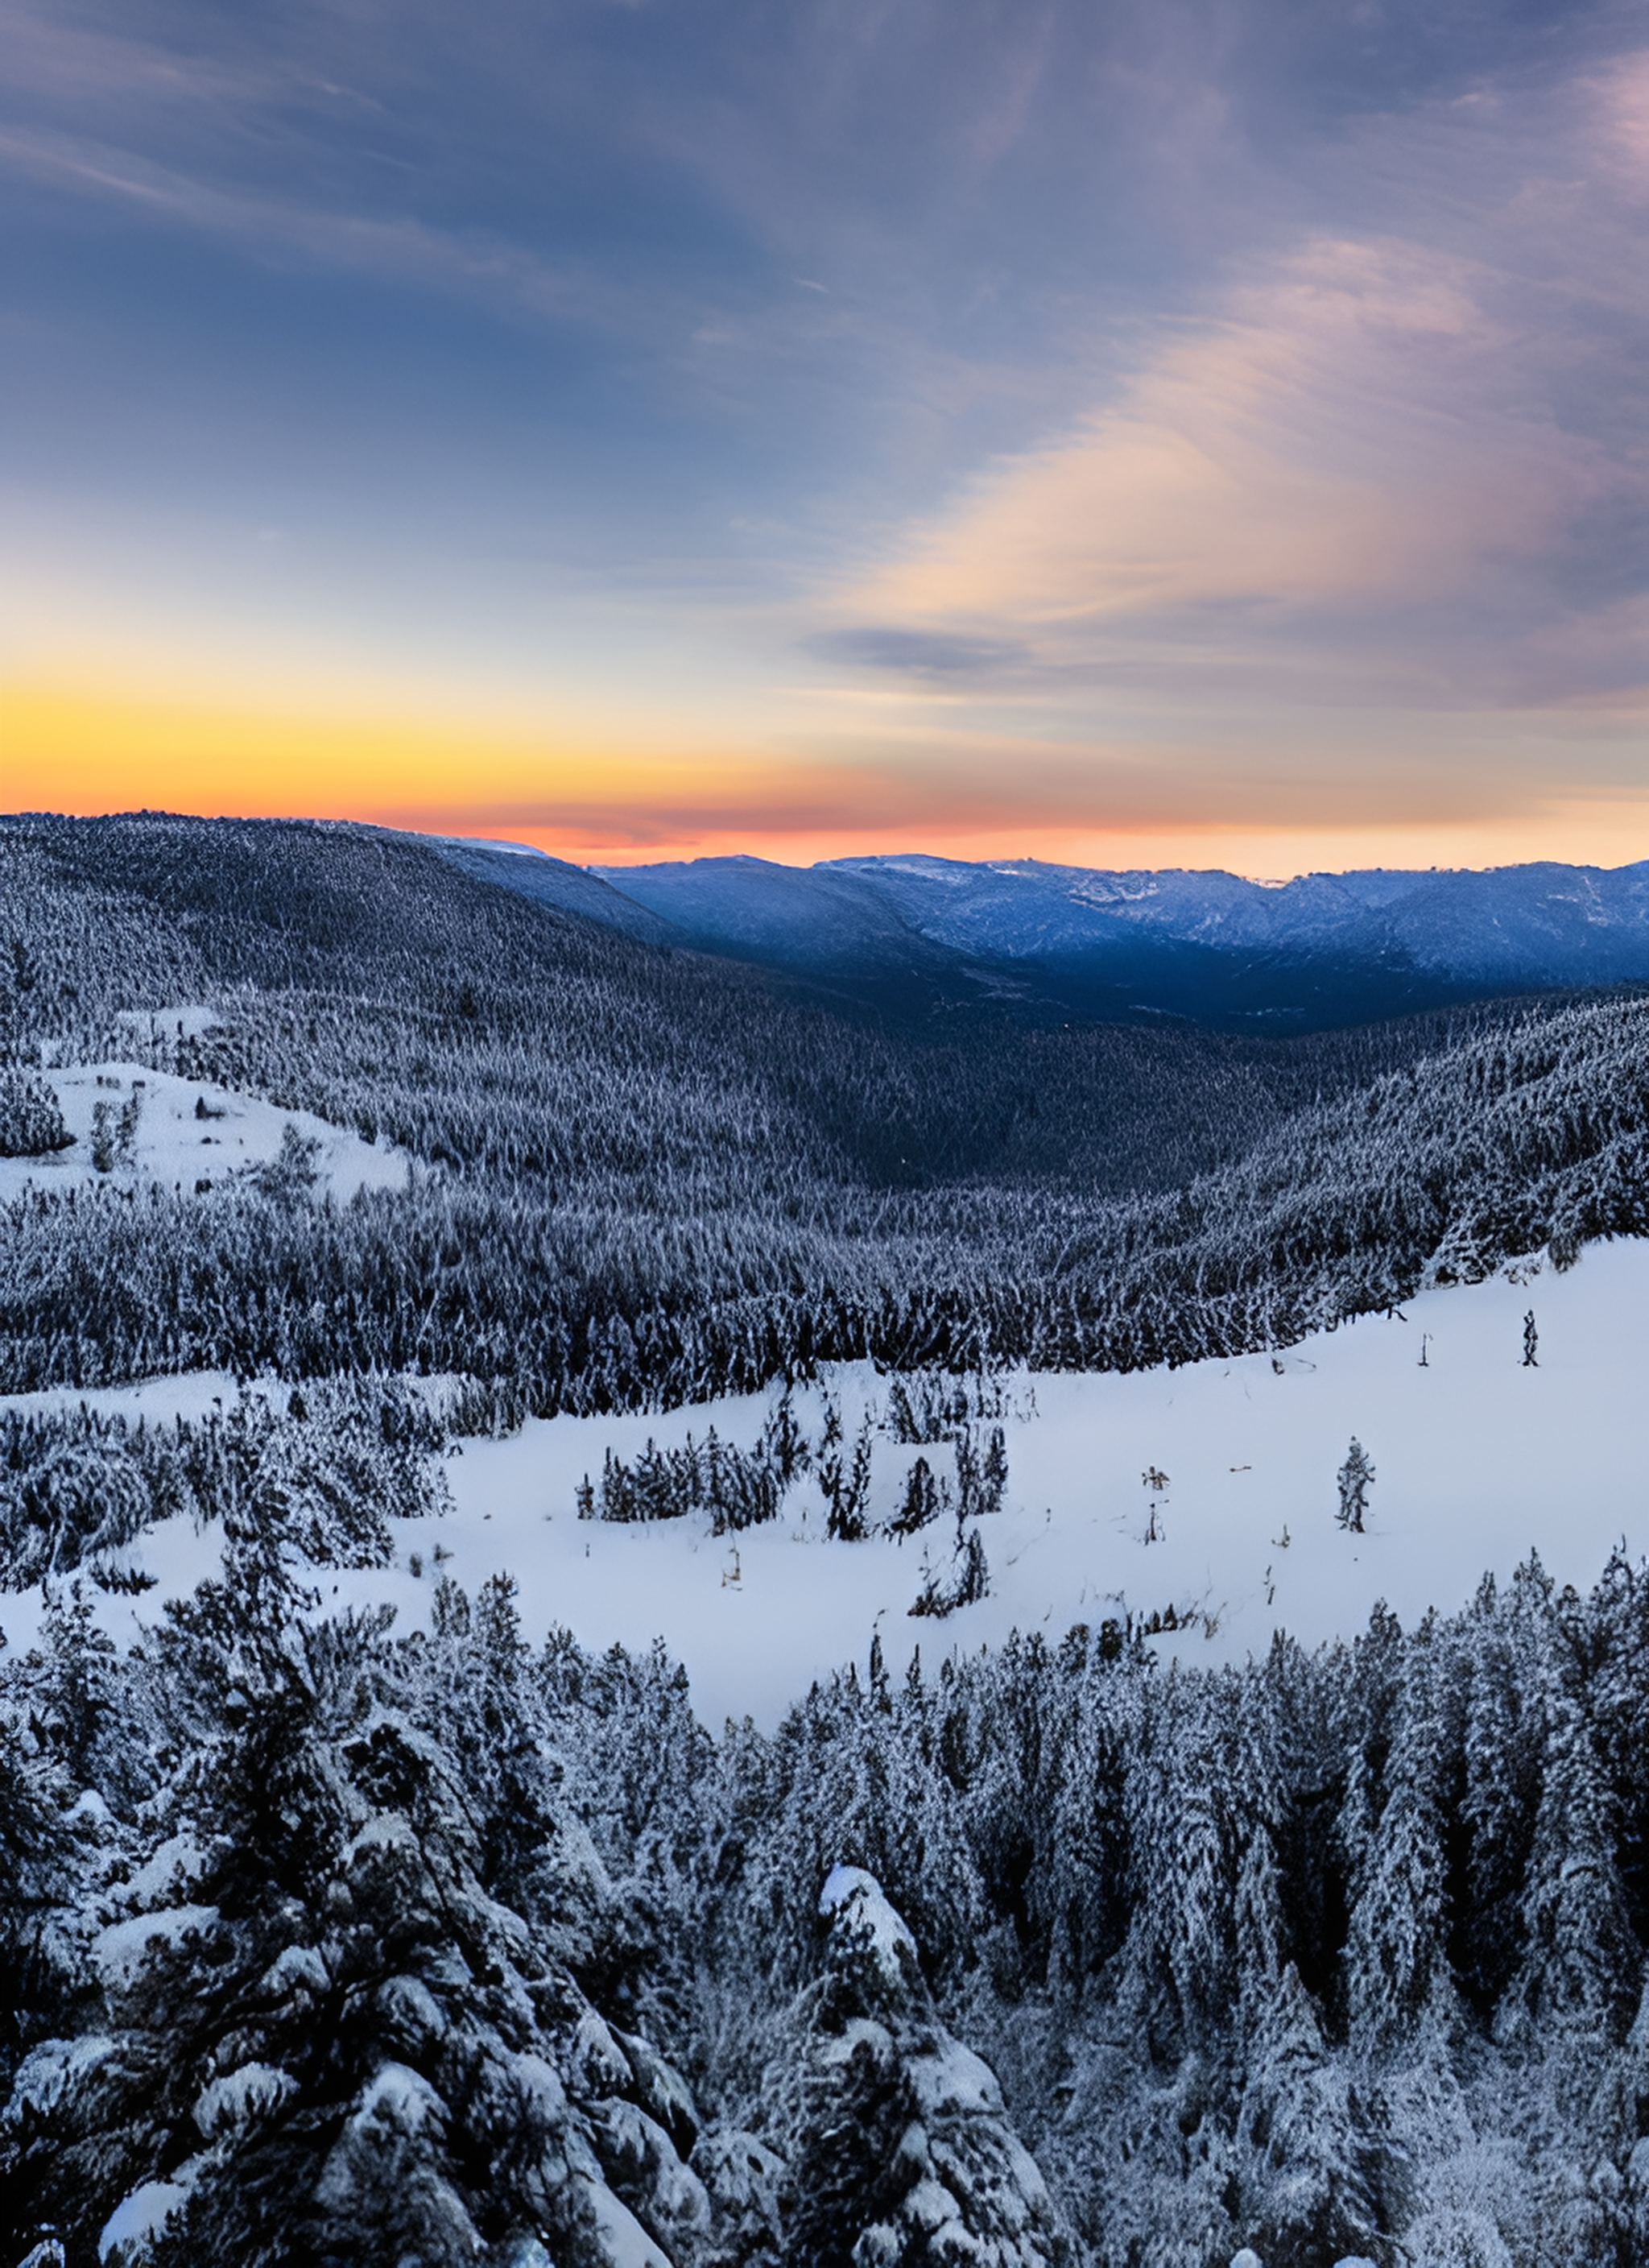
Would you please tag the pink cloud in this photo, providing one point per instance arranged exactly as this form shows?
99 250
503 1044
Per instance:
1403 464
1353 428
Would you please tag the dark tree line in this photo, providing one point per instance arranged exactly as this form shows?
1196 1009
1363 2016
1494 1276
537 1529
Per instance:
1532 1140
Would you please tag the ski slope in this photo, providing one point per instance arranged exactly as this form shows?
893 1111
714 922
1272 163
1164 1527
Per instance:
1478 1461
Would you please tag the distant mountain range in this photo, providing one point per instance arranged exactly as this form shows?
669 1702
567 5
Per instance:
1205 947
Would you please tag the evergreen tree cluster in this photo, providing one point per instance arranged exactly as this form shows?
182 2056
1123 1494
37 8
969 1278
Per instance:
335 1462
31 1118
1536 1140
321 1944
737 1488
325 1945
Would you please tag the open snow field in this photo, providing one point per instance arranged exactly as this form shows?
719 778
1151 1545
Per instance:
1479 1459
174 1146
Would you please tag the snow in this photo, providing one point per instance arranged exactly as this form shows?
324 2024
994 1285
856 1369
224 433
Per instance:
236 2100
177 1149
1477 1461
619 2239
120 1950
540 2085
300 1965
597 2056
872 1916
139 2219
179 1862
854 1901
842 1884
400 2096
954 2080
56 2069
153 1401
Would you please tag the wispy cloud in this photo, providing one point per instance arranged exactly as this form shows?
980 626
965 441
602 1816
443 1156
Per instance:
1219 410
1381 457
397 248
927 653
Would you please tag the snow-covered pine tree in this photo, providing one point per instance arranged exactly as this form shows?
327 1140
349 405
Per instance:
1404 2011
922 1504
901 2150
35 1879
319 2036
1354 1477
847 1488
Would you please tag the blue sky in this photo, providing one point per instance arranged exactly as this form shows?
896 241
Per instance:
1195 428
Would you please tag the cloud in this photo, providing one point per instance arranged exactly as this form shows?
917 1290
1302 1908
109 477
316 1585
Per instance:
1376 456
1355 430
397 248
922 653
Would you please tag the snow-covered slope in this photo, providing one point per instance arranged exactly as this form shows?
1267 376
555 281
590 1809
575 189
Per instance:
1479 1459
178 1143
553 882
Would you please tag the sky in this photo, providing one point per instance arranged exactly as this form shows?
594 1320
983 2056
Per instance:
1208 432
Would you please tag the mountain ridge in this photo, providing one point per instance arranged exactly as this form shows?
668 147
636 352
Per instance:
1202 945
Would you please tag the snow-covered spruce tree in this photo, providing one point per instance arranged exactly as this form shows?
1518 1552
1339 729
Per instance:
1399 1984
923 1501
1501 1642
1302 2161
320 2037
74 1486
846 1482
76 1699
1354 1477
35 1875
901 2154
1306 2192
1566 2014
850 1776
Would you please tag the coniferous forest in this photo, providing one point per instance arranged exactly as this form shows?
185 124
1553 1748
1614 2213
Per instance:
327 1941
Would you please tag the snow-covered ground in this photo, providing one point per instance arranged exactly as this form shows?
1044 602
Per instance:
1477 1459
175 1146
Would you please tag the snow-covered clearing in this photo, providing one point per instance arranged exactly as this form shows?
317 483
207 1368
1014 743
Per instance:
177 1147
1479 1459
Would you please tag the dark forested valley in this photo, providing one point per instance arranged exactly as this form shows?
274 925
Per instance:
324 1942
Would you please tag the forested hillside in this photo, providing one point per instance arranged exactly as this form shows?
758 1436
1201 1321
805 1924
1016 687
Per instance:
325 1942
651 1175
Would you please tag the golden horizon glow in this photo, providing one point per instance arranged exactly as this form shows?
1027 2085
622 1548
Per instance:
642 479
600 799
